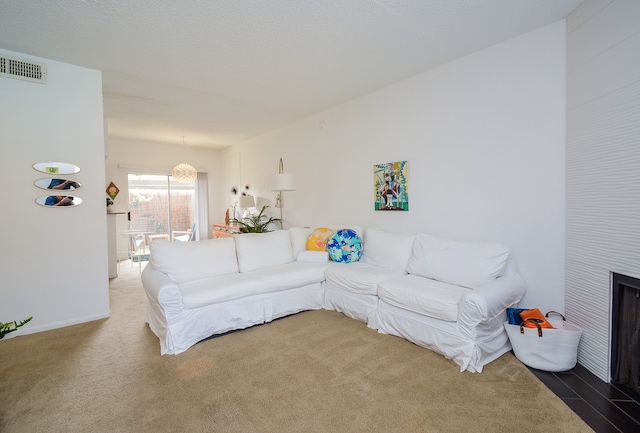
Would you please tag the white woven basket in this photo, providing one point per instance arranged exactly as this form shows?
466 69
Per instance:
546 349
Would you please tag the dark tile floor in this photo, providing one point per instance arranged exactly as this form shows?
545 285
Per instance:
606 408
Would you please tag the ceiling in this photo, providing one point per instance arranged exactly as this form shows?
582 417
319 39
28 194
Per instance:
219 72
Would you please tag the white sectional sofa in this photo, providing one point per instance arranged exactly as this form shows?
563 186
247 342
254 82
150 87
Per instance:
448 296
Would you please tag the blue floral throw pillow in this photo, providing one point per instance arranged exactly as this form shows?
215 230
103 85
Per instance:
345 246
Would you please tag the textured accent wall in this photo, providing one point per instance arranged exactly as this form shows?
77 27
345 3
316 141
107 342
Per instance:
603 166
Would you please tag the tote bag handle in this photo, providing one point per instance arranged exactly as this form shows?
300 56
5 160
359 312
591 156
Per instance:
535 322
547 315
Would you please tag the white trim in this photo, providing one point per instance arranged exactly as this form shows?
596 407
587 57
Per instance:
152 169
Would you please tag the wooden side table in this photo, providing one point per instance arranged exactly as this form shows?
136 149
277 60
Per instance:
224 230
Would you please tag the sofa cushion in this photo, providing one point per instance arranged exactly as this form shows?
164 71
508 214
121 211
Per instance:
222 288
290 275
423 296
186 261
359 277
468 264
259 250
389 250
299 237
313 257
345 246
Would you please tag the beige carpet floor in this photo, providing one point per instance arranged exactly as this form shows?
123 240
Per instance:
317 371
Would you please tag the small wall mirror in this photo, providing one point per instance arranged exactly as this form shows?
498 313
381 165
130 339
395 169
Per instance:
52 167
59 201
57 183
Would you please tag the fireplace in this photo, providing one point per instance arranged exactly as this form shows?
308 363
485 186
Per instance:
625 332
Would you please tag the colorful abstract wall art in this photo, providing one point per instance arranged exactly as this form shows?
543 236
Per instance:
390 184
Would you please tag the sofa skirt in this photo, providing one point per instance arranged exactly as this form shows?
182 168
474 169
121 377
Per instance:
361 307
443 337
182 331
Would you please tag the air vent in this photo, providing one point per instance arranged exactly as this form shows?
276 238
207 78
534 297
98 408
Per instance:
23 70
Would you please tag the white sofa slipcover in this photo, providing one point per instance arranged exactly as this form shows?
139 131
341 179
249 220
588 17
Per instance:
353 289
235 283
445 295
450 296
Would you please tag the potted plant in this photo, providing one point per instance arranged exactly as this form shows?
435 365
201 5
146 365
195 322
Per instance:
258 223
6 328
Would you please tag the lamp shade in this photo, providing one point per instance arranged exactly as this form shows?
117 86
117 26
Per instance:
184 173
246 201
283 182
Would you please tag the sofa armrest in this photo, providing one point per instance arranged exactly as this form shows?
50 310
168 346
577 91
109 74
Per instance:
489 301
162 292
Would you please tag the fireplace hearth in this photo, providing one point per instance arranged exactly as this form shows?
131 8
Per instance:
625 332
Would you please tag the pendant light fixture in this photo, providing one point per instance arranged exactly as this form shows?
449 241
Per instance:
184 173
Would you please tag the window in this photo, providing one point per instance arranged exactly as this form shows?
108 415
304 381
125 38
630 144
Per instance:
158 204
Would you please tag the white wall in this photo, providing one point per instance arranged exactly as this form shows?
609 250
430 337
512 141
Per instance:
54 260
126 156
603 166
485 139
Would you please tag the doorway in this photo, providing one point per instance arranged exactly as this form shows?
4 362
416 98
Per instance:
160 206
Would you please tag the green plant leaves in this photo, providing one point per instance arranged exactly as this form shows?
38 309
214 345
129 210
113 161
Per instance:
6 328
258 223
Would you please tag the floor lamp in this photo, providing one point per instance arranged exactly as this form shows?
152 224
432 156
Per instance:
245 202
282 182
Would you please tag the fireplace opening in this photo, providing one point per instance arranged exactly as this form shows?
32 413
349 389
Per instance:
625 332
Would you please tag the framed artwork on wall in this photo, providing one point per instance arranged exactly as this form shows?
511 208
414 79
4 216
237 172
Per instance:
390 185
112 191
